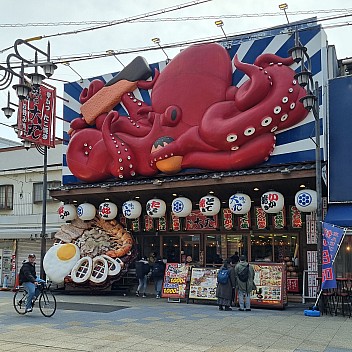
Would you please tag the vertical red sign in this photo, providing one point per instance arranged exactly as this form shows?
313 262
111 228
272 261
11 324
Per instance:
36 116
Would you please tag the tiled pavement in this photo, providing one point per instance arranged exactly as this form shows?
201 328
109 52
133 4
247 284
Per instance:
148 324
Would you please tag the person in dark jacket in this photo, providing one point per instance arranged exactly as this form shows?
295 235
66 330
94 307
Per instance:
158 275
224 291
28 278
244 288
142 270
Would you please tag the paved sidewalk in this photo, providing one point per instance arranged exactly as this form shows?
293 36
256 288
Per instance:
118 323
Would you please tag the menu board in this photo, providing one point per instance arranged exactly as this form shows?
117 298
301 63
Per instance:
175 280
203 283
270 279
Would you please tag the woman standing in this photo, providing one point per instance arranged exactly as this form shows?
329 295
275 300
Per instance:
224 289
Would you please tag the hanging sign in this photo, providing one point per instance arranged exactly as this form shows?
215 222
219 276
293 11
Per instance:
240 203
162 224
260 217
244 221
36 116
132 209
279 220
176 222
67 212
123 220
175 280
107 210
198 221
156 208
227 219
136 225
296 217
148 223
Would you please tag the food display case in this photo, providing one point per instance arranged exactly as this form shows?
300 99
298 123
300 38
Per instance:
270 279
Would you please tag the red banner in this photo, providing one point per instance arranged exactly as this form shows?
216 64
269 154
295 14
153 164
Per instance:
36 116
176 223
296 217
227 218
261 218
197 221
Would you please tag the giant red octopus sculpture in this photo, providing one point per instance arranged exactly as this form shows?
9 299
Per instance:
197 118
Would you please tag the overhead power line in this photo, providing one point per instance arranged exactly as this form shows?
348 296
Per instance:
170 19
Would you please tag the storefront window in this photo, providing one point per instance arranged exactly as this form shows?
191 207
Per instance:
171 249
148 244
343 262
190 248
213 250
273 248
236 243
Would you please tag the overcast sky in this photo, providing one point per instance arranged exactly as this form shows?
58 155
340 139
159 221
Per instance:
139 34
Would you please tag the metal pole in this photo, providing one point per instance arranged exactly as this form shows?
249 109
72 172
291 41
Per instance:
43 234
318 178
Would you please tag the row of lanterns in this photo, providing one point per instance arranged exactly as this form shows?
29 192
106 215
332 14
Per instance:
239 204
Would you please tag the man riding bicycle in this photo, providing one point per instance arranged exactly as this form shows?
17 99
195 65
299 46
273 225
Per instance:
28 278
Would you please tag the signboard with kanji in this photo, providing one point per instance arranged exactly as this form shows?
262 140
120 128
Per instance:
175 280
197 221
36 116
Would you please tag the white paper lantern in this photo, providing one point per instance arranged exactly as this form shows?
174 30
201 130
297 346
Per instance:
86 211
272 202
181 207
306 200
156 208
209 205
240 203
67 212
132 209
108 210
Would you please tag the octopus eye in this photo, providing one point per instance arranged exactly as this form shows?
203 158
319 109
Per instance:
284 99
266 121
292 106
231 138
277 110
273 129
284 117
249 131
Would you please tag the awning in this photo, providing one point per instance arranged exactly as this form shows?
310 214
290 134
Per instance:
339 214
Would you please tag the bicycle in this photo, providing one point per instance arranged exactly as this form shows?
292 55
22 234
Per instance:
47 301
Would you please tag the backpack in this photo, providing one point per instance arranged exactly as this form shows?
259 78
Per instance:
244 274
223 276
158 270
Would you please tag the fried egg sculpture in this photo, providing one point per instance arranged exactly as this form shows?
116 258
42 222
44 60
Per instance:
59 260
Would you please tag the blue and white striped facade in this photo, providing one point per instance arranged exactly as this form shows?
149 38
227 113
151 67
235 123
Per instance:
293 145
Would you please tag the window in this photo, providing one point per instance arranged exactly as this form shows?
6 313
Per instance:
38 191
6 197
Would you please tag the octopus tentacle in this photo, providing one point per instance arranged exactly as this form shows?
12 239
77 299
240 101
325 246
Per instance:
123 159
149 84
256 89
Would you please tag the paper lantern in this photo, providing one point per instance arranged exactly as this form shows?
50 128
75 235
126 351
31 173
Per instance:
132 209
209 205
67 212
156 208
272 202
306 200
181 207
240 203
86 211
107 210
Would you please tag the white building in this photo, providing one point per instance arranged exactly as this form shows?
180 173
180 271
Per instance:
21 195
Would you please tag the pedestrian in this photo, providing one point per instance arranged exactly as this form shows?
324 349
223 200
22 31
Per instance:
225 285
158 275
28 278
244 274
235 258
142 270
152 258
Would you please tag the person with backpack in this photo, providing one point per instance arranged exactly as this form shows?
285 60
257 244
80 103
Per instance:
244 274
142 270
158 275
225 285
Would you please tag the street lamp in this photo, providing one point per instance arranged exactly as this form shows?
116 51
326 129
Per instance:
157 42
310 102
23 88
220 23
